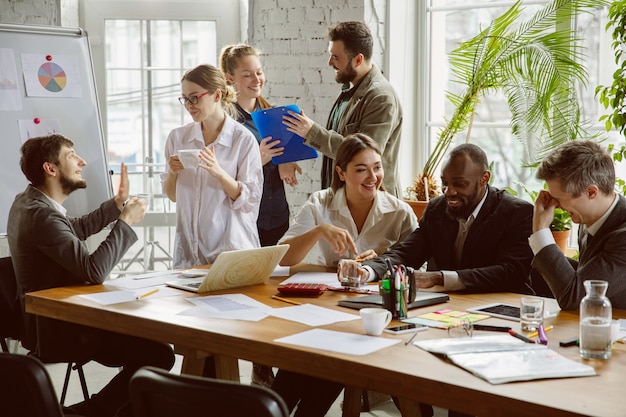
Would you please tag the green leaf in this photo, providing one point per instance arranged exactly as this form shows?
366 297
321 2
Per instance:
535 65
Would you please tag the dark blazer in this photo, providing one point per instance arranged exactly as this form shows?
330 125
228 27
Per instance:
48 250
604 259
496 256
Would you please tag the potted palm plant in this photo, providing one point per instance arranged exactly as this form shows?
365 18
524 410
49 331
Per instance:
536 64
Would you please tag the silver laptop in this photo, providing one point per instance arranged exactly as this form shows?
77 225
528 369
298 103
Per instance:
235 268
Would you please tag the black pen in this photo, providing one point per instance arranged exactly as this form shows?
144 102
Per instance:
491 328
520 337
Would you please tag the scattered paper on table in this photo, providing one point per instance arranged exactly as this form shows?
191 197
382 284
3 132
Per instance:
328 278
500 359
445 318
340 342
150 279
312 315
281 271
227 306
254 314
124 296
227 302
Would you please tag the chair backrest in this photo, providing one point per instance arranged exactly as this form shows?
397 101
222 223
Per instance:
27 390
155 393
11 315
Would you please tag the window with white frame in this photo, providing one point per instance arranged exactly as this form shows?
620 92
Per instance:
449 22
140 54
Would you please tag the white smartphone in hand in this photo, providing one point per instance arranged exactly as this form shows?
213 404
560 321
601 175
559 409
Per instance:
406 328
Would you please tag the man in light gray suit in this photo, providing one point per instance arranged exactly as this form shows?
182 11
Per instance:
580 176
367 104
48 250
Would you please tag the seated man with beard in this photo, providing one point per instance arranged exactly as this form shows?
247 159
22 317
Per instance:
48 250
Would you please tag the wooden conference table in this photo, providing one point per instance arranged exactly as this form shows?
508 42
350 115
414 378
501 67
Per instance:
405 371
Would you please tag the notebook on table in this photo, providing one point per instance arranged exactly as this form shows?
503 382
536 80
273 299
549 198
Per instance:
235 268
422 299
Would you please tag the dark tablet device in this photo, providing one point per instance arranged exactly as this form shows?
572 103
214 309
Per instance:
500 310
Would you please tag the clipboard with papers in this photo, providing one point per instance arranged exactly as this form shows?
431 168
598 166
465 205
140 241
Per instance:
269 122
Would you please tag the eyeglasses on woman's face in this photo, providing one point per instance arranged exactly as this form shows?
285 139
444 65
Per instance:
193 99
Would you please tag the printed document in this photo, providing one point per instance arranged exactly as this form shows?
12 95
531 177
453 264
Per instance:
503 358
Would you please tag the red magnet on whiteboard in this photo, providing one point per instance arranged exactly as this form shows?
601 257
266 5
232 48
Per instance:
36 120
48 57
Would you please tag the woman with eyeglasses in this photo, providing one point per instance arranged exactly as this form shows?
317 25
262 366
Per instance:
217 199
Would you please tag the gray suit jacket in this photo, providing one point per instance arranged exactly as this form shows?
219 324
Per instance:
604 259
48 250
375 111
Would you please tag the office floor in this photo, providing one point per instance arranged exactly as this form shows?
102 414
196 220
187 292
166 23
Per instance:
97 376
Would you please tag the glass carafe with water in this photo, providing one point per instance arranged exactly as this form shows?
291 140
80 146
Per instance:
595 321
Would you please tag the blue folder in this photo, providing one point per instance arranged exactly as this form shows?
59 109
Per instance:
269 122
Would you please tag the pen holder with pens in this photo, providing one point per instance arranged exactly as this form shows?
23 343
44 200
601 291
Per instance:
397 289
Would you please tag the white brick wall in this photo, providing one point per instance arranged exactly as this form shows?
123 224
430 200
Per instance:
40 12
30 12
69 13
34 12
292 37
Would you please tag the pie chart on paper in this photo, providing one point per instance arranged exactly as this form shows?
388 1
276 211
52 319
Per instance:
52 77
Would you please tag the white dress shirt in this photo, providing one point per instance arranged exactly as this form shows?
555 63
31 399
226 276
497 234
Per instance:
207 220
389 221
543 237
451 280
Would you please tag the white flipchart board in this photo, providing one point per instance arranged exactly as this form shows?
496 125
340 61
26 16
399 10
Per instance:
47 85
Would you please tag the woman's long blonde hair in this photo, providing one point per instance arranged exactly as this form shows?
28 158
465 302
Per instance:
229 62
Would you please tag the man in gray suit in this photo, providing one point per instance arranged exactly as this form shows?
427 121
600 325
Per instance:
48 250
580 177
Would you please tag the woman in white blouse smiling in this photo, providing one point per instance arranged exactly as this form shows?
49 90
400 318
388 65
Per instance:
217 202
355 217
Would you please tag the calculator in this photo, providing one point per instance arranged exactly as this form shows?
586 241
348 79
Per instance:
302 289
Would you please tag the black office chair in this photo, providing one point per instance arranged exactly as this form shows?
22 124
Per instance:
10 317
30 391
156 393
12 321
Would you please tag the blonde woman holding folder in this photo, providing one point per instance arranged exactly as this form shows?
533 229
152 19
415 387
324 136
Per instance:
241 65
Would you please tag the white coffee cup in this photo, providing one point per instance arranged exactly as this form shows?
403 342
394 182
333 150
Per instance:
375 320
189 158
